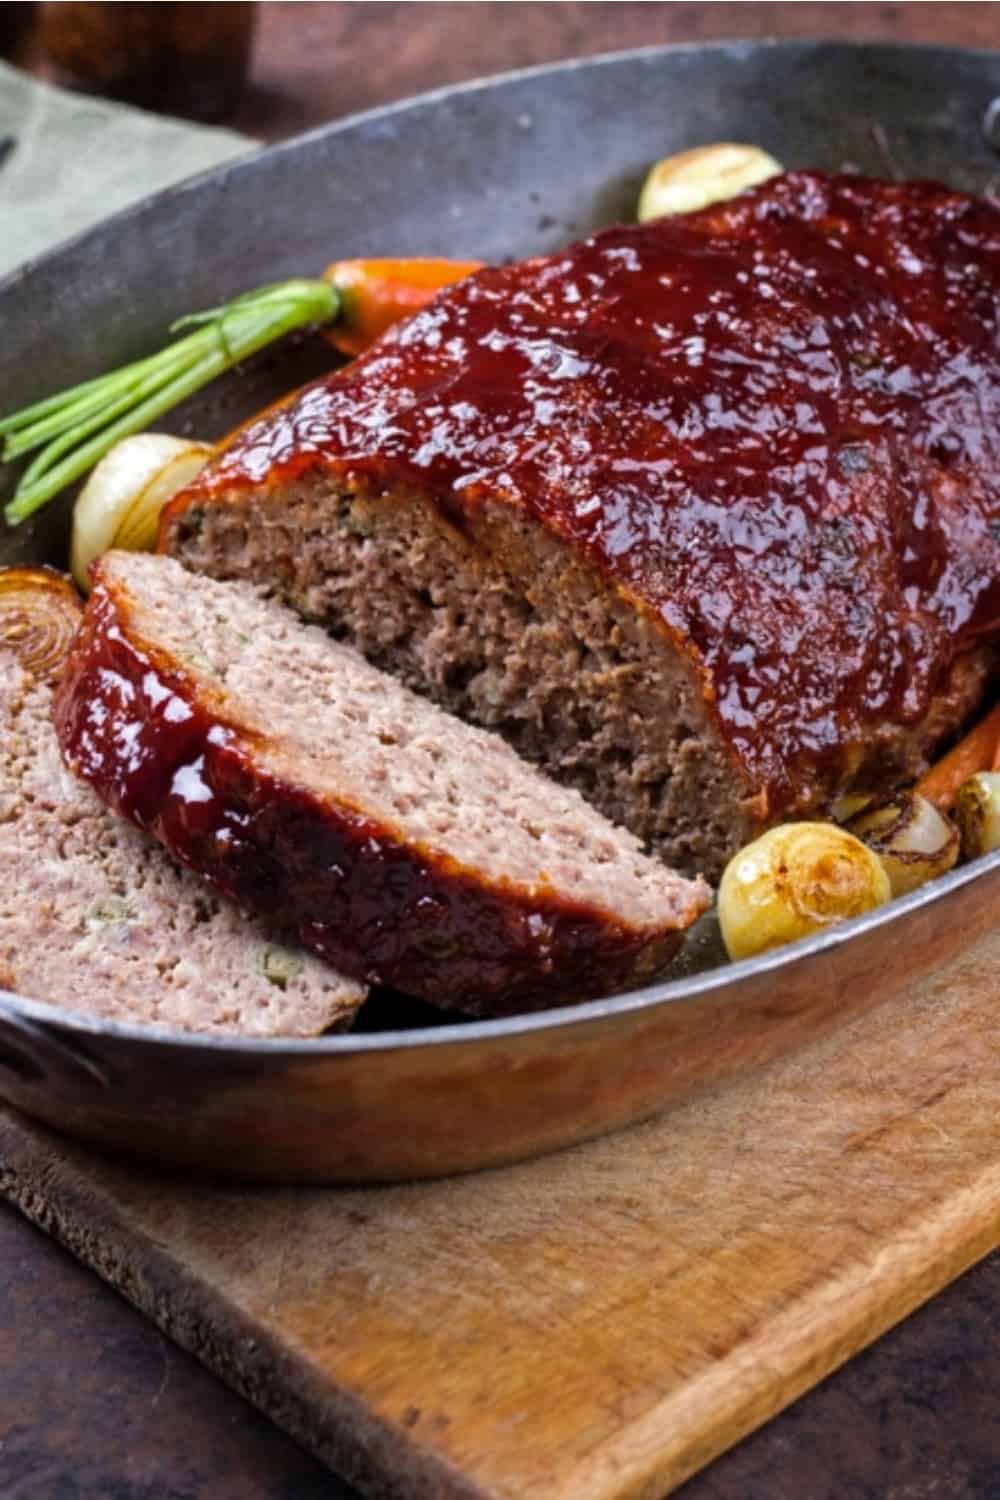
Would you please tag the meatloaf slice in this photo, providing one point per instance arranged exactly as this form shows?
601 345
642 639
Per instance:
702 515
96 917
399 843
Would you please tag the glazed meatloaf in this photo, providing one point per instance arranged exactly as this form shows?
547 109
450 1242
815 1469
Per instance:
394 840
702 515
96 917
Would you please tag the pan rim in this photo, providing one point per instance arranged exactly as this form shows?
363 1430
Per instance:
559 1018
482 83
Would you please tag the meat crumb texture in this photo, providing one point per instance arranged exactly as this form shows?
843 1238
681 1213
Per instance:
401 844
95 916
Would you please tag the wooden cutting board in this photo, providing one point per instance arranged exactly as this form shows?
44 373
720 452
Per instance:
596 1325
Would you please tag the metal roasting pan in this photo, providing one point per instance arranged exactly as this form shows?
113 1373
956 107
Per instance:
499 169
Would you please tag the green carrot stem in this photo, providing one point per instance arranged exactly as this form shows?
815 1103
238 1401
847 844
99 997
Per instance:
71 418
28 498
100 417
84 422
62 400
20 419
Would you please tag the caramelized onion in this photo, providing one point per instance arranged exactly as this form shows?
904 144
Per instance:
796 879
140 522
977 811
914 841
850 805
39 612
706 174
113 495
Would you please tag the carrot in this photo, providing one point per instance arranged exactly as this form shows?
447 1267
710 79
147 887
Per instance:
356 300
374 294
978 751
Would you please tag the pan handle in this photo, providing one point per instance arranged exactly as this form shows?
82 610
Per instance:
32 1050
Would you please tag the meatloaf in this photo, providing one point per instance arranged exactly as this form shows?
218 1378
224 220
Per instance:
702 515
96 917
392 839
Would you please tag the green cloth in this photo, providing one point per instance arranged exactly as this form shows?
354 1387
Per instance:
77 159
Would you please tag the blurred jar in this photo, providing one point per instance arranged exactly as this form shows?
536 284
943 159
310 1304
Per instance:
16 22
189 60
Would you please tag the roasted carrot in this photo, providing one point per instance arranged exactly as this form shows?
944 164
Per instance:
356 300
374 294
978 751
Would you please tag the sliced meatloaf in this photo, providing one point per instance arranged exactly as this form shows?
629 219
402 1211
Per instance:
96 917
702 515
397 842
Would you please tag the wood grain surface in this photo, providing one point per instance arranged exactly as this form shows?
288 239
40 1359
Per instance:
597 1325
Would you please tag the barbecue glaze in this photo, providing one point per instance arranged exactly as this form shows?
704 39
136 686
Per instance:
774 425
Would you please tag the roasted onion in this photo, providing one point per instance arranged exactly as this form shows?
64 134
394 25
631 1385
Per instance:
707 174
914 841
977 811
850 805
796 879
39 612
120 504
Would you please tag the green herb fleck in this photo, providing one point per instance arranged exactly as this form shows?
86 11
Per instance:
279 965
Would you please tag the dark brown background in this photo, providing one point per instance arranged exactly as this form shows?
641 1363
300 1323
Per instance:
93 1401
314 62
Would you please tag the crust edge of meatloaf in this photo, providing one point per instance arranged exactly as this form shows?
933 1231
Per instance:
491 616
249 744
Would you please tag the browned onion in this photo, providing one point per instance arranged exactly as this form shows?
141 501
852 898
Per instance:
977 812
39 613
914 841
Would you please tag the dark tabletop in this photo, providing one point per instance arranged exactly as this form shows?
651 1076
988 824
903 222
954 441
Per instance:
94 1402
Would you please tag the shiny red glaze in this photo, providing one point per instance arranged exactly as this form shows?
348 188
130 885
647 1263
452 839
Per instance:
155 748
775 423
